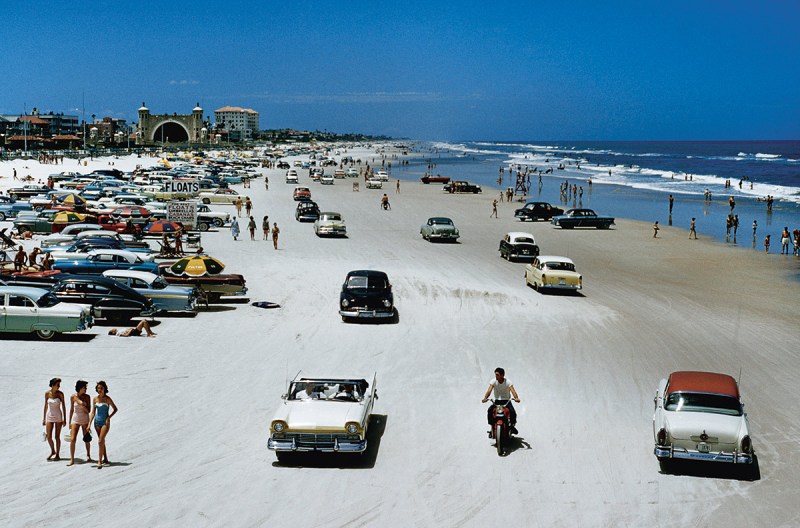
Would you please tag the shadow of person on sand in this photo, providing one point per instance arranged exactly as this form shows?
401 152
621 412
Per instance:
716 470
365 460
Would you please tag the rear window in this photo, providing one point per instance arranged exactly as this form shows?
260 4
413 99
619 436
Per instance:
560 266
702 402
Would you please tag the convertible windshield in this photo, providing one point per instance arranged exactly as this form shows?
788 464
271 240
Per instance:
701 402
560 266
369 282
330 390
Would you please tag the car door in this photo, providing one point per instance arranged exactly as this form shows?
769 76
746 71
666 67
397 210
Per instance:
21 313
3 309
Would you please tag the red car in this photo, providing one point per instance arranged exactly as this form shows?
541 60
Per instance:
301 194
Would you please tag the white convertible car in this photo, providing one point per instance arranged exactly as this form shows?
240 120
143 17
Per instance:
698 416
328 415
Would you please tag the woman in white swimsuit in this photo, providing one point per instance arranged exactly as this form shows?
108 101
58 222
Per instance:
53 418
80 403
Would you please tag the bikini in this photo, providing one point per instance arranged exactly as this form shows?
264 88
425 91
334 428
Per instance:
54 410
101 415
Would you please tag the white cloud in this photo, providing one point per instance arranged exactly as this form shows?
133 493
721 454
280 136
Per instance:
183 82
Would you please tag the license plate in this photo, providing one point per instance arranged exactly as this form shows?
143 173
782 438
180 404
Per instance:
562 281
703 448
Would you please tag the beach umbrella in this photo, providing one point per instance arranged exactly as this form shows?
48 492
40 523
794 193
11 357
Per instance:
197 266
131 211
68 217
72 199
162 226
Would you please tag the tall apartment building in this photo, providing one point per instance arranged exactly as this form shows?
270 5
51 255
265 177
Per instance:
241 123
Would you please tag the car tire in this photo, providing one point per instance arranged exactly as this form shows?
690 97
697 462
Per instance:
665 464
13 196
2 217
45 334
218 222
202 226
345 319
206 201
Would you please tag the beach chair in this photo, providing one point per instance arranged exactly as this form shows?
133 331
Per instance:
5 240
193 240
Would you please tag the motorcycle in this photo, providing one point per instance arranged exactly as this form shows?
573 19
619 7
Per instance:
501 428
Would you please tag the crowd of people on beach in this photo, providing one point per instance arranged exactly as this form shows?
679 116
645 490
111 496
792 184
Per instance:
84 412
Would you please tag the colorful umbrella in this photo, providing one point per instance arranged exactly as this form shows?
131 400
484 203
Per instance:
197 266
68 217
162 226
72 199
131 211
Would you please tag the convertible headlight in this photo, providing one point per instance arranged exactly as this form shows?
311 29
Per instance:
352 428
387 303
278 427
747 445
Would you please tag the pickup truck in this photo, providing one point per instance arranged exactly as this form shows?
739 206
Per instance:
27 191
461 187
212 287
582 218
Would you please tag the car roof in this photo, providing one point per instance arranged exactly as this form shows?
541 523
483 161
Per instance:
554 258
710 382
367 273
517 234
24 290
143 275
329 213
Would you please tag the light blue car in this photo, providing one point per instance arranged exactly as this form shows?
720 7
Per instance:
28 310
165 296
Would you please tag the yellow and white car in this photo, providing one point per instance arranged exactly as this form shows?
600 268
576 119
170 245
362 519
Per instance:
548 271
323 414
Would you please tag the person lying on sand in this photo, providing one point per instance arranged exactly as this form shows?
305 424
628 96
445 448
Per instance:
134 330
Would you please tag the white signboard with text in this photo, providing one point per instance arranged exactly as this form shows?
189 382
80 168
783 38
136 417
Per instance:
183 212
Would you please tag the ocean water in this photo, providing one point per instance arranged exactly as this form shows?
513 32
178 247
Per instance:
633 179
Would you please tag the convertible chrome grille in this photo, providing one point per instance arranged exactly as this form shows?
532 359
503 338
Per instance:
316 440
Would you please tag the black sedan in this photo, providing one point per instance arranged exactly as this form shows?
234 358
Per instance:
109 299
537 211
582 218
307 211
366 294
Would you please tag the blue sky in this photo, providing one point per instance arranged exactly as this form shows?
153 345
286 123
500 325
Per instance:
426 70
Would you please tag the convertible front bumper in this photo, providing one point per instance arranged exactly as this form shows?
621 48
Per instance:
731 457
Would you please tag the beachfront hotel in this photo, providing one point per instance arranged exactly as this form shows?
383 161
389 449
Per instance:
241 123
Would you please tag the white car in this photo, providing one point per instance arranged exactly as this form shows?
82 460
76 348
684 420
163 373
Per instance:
326 179
374 183
699 416
26 310
351 173
549 271
225 196
125 254
323 414
219 218
67 235
330 224
291 176
382 175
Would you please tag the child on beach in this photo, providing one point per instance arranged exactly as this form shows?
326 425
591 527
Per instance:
655 229
766 244
692 231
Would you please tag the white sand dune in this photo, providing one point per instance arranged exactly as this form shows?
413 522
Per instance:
189 442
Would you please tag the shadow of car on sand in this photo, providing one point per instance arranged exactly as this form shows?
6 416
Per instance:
717 470
365 460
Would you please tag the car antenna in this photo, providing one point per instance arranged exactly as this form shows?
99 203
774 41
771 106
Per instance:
739 381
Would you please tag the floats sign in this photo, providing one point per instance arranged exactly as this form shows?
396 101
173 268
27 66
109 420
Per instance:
183 212
183 186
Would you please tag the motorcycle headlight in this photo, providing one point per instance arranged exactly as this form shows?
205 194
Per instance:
352 428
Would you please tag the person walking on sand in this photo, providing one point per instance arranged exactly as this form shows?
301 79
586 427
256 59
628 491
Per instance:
786 239
235 229
238 205
397 187
766 244
251 226
494 209
101 417
265 227
54 417
655 229
692 230
80 404
266 183
248 206
671 202
275 233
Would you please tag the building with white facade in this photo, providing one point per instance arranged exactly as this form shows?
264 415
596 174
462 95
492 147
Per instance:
240 123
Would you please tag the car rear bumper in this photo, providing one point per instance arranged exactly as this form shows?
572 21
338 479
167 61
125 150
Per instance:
562 286
733 457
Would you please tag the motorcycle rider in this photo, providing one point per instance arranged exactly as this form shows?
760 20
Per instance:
503 390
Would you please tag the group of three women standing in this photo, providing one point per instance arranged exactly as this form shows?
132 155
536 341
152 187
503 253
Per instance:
83 411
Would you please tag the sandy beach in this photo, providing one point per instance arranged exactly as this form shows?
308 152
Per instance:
188 447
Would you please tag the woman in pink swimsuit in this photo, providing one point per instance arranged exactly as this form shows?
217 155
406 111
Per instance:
53 417
80 403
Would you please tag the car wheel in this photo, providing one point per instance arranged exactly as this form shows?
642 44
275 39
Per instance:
45 334
203 226
13 196
665 465
218 222
2 217
206 201
345 319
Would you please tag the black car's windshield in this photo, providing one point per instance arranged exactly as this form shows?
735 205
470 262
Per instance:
702 402
356 282
47 300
